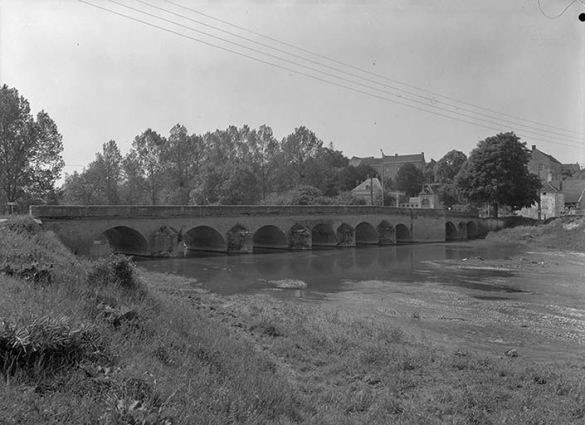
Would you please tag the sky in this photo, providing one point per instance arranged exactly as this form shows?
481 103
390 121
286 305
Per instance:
366 75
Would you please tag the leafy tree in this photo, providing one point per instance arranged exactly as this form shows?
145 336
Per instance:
497 173
323 170
239 186
296 149
146 159
449 166
30 150
263 151
409 179
182 156
99 183
350 176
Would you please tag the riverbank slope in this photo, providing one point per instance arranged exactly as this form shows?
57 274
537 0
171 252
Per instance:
102 342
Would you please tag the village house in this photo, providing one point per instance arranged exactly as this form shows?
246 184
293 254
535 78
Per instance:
390 164
545 166
557 196
370 190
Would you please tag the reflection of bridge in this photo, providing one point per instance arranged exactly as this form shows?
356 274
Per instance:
168 230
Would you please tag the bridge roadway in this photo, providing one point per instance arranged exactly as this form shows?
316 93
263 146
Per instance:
159 231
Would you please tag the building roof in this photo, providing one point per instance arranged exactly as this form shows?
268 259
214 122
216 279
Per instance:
388 159
573 190
550 157
417 157
369 160
365 185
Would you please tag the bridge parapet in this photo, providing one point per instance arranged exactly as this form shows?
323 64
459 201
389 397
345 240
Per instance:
149 211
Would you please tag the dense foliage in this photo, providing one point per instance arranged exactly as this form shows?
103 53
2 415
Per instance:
497 173
235 166
409 179
30 150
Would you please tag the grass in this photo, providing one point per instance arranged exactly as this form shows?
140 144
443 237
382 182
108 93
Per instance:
103 343
565 234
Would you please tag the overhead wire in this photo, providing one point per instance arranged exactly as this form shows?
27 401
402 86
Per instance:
304 73
432 101
369 72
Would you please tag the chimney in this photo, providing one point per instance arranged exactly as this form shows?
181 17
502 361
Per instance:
533 148
395 154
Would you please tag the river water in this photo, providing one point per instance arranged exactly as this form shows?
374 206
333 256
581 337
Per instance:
312 274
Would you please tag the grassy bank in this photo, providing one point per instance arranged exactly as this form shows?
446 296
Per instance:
564 234
100 342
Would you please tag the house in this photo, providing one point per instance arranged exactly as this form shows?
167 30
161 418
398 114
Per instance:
369 190
427 198
552 203
391 164
552 196
544 165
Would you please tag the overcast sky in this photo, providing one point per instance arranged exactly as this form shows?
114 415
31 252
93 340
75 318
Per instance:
408 76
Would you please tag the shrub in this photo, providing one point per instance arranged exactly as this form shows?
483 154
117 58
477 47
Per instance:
23 224
44 346
118 271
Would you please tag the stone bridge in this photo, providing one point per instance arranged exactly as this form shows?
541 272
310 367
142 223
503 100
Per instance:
160 231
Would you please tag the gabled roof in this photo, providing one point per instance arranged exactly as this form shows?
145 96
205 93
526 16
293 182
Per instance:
573 190
550 157
417 157
388 159
365 185
369 160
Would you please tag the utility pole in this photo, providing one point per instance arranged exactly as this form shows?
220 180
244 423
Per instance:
382 182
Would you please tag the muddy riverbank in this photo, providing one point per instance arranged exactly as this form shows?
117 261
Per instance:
533 302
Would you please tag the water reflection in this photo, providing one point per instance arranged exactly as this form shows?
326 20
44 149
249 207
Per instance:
326 270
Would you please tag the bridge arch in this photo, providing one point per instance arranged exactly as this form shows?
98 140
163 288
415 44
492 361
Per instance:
365 233
345 235
471 230
323 235
270 237
450 232
120 239
204 238
403 234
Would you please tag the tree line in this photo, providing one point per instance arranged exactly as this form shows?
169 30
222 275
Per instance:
235 166
238 166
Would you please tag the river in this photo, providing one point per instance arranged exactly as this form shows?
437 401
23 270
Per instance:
315 273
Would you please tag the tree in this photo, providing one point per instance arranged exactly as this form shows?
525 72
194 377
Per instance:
30 150
409 179
99 183
497 173
296 149
182 154
449 166
146 159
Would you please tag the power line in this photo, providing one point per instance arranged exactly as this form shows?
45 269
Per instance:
531 129
313 76
369 72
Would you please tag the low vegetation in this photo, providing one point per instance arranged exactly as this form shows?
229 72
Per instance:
566 234
104 343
